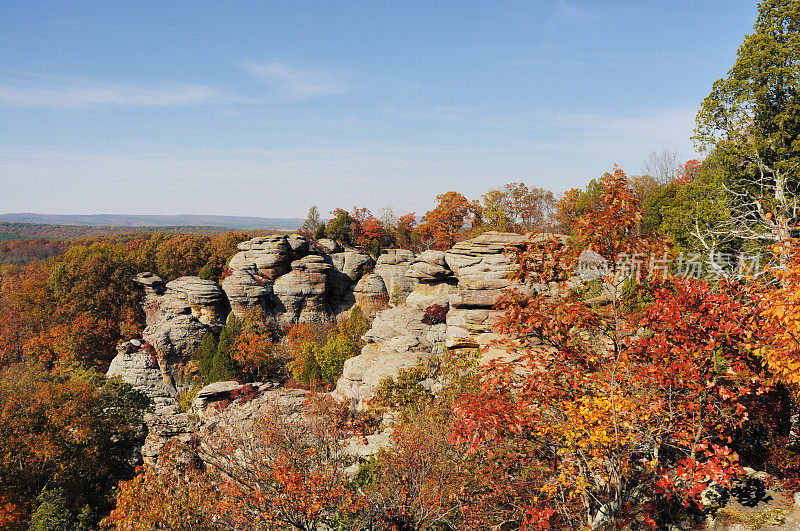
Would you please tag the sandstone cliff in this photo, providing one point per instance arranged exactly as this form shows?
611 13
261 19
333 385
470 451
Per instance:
467 281
292 281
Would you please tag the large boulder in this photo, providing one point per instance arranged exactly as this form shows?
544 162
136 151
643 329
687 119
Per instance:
481 263
302 293
430 266
482 267
347 269
247 290
278 275
426 295
363 373
397 340
370 294
177 317
392 266
254 269
271 256
352 264
216 396
136 363
298 246
327 246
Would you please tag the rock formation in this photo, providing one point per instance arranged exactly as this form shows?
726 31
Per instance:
467 281
370 294
293 281
137 364
392 266
178 314
302 293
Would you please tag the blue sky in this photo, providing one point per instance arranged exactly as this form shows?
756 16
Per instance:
266 108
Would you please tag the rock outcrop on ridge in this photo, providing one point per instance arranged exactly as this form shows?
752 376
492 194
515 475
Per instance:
178 314
137 364
466 281
303 292
292 281
392 266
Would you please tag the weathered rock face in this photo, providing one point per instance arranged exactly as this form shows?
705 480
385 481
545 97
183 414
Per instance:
247 291
480 263
253 270
218 393
302 293
271 255
466 280
348 268
289 403
278 275
425 295
298 246
392 266
482 269
370 294
137 365
178 316
398 339
327 246
430 266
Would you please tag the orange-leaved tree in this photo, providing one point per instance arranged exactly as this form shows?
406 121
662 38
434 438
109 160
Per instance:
254 348
279 475
174 495
262 473
780 307
72 430
443 223
622 410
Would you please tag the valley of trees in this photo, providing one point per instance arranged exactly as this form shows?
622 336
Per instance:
635 395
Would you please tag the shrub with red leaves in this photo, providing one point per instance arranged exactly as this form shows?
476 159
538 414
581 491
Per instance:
245 393
435 314
147 348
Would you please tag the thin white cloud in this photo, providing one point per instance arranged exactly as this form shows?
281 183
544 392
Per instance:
654 127
294 84
87 94
571 11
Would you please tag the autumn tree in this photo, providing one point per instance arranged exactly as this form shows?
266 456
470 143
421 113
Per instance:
182 255
694 206
780 307
221 250
25 311
319 352
574 203
280 474
71 430
254 349
405 235
173 496
420 482
90 301
612 436
369 233
443 223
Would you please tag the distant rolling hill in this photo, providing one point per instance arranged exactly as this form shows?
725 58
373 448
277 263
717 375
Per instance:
180 220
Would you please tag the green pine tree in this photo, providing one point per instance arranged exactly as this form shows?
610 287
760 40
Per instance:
223 366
